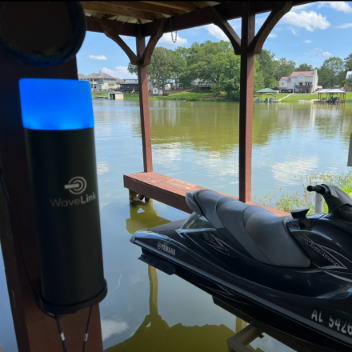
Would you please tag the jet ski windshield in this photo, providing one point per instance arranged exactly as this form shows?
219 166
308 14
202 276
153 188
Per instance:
196 221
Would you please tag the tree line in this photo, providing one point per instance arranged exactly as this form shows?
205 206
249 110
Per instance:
216 63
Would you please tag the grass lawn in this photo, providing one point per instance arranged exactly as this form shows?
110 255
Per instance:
94 95
190 96
295 97
131 96
264 96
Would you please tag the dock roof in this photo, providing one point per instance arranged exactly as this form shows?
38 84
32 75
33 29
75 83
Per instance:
134 17
332 91
266 90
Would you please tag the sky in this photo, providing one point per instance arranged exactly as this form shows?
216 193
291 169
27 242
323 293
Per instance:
309 34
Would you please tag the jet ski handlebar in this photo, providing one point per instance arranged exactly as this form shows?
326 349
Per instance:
335 198
318 189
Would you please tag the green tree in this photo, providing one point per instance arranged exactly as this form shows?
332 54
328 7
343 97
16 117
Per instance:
161 67
199 59
259 79
132 68
268 68
348 82
332 72
348 63
305 67
285 67
224 72
179 65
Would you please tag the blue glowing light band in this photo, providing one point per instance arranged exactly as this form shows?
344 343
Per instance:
56 104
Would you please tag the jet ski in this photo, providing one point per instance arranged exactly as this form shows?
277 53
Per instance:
293 273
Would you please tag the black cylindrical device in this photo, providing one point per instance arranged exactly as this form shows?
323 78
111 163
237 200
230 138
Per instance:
58 123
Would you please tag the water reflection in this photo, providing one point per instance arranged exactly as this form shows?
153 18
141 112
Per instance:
207 157
214 126
154 334
198 142
143 216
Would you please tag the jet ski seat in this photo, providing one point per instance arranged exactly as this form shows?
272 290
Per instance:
261 233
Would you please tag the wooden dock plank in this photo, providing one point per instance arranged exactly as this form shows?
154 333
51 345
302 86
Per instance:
171 191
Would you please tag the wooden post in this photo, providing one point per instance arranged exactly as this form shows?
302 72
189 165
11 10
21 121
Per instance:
144 108
243 338
246 106
35 331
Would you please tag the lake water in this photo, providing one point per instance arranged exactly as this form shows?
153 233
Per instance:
197 142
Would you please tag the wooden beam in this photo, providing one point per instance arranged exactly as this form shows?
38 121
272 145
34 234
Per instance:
280 9
144 108
228 30
139 5
171 191
243 338
112 34
296 344
200 4
147 54
119 10
246 106
128 29
180 5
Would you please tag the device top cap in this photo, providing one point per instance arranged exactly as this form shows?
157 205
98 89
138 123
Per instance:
56 104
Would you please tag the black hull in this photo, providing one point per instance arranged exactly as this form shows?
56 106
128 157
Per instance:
306 318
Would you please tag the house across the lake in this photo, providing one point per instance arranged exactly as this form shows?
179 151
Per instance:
129 85
204 86
101 81
299 82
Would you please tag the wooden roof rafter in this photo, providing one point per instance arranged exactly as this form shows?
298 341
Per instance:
138 5
199 17
116 10
178 5
226 10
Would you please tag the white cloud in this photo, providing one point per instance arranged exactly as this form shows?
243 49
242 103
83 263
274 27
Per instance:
308 20
346 25
301 7
336 5
318 52
119 72
167 40
283 171
260 20
102 167
272 35
294 31
216 32
110 327
97 57
308 41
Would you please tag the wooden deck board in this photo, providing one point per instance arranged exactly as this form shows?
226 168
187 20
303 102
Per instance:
170 191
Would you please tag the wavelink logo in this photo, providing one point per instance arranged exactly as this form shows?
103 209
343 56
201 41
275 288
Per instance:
77 185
